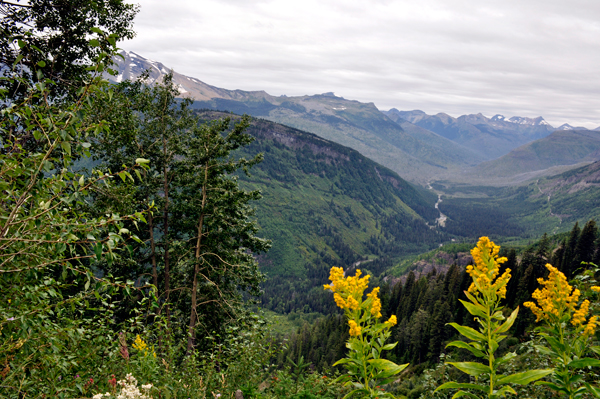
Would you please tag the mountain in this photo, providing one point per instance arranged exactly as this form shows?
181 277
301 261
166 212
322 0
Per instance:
546 205
326 205
573 195
414 153
563 147
488 137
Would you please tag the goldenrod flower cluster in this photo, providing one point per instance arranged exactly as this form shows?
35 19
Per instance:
142 346
557 299
375 302
348 292
487 268
355 329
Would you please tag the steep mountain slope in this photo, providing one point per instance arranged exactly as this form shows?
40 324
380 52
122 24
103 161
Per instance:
415 154
573 195
489 137
549 204
316 190
327 205
563 147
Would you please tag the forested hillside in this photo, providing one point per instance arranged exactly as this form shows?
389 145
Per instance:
425 304
550 204
326 205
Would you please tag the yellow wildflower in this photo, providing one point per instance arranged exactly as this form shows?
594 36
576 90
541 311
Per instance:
392 321
355 329
375 302
348 291
339 301
142 346
557 298
596 288
352 303
590 329
580 315
139 344
486 269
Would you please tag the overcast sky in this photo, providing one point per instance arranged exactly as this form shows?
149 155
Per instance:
511 57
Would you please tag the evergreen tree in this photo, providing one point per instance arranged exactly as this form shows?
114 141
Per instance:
584 251
201 239
54 35
569 264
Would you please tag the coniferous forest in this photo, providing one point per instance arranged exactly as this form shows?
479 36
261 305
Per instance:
149 249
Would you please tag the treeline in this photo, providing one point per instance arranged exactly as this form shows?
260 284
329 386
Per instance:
424 305
472 219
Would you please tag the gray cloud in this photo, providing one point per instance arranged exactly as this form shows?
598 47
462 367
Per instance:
525 57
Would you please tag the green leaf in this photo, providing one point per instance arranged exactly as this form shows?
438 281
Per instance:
525 378
66 146
460 394
390 368
509 322
592 389
467 346
343 361
94 43
123 176
545 351
98 251
468 332
141 161
18 59
509 356
554 343
461 385
552 386
504 390
389 346
474 309
41 64
471 368
585 362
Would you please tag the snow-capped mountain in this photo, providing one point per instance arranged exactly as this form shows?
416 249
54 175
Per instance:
132 66
491 137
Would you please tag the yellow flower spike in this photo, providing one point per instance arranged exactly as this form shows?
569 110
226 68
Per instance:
392 321
487 269
339 301
375 302
355 329
580 315
556 298
590 329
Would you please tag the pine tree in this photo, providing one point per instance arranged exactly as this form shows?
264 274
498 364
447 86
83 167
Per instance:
584 251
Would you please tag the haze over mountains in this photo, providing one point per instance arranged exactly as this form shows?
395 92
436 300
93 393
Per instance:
419 147
335 174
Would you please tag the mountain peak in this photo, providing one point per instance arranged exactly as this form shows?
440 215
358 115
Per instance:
539 121
565 126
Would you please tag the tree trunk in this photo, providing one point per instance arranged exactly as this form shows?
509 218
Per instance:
193 313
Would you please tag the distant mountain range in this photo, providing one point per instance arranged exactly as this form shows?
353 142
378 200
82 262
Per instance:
489 137
562 147
417 146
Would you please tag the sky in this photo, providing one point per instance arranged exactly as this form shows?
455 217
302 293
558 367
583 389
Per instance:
512 57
